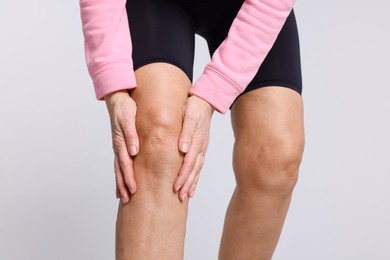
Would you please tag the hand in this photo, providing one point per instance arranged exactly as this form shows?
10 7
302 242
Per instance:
193 141
122 110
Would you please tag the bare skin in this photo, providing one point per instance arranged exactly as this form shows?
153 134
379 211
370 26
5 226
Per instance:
194 136
269 143
151 222
269 140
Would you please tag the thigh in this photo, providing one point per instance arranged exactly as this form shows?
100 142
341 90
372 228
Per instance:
161 31
269 119
160 85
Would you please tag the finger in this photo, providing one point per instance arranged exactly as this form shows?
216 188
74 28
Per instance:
193 186
119 181
117 192
187 185
187 132
187 167
126 166
118 195
130 132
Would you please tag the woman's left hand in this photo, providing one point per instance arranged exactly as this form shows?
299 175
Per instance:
193 142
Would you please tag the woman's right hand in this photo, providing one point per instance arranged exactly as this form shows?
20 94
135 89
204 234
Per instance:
125 143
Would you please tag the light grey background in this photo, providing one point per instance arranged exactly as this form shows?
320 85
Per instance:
56 162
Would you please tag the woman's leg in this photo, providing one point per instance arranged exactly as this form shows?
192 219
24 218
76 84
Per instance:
152 225
269 142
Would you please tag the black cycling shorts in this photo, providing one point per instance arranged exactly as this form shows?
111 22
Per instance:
164 30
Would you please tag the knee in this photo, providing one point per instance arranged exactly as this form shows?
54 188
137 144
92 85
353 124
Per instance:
158 130
269 166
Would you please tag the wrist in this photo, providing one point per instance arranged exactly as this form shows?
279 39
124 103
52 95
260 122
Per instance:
113 97
207 105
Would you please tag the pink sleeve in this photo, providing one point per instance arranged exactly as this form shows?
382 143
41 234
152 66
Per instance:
238 58
107 45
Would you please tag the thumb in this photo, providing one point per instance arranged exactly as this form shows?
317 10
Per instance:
187 132
131 136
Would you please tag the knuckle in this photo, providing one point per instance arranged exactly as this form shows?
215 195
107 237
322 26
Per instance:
118 181
197 143
186 133
202 159
131 135
190 163
123 163
185 136
197 168
117 141
116 170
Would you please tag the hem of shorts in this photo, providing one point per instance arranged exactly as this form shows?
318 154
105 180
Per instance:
269 83
148 61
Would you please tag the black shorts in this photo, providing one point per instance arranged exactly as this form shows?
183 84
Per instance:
164 30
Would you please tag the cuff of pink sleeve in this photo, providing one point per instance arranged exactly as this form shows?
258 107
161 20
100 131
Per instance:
216 89
112 77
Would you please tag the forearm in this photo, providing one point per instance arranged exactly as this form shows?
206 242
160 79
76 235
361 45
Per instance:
108 46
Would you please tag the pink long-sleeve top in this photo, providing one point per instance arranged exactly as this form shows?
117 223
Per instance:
108 49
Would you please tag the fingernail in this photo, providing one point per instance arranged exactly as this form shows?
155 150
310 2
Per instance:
183 196
177 188
133 149
192 193
184 147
